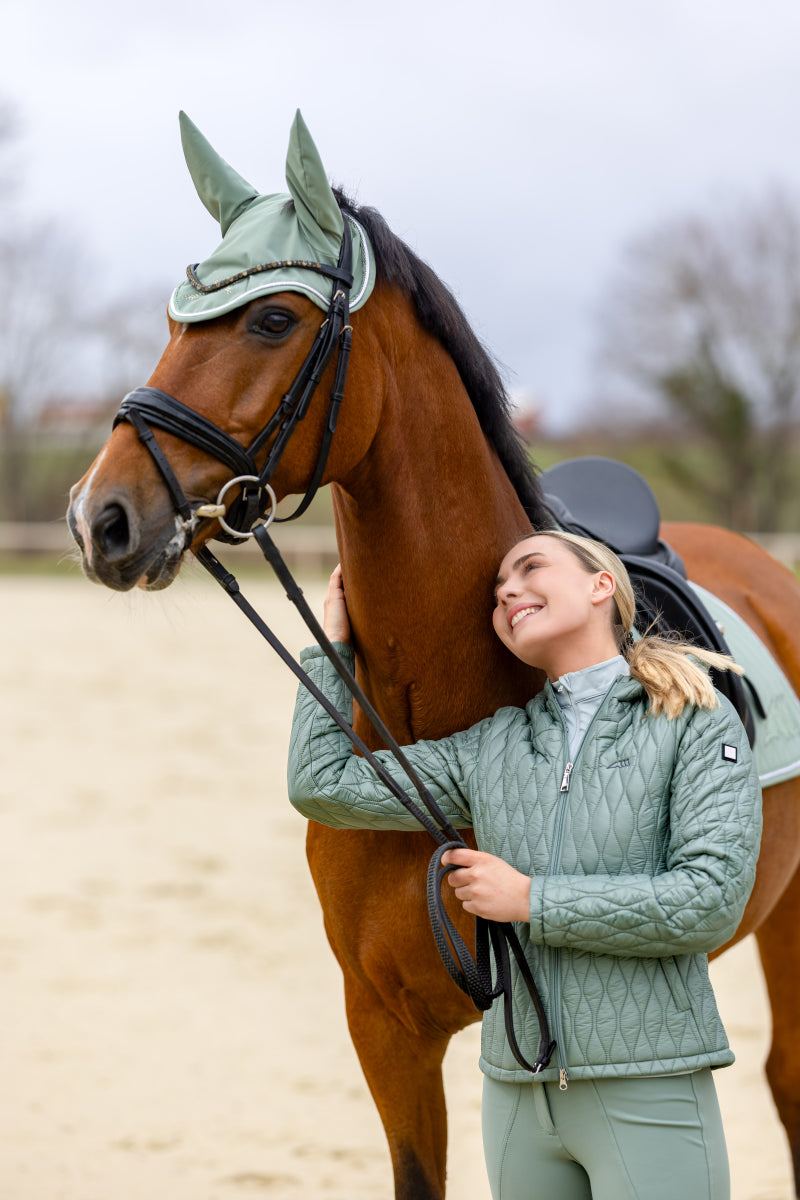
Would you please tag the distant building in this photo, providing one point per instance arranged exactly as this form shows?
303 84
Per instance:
75 420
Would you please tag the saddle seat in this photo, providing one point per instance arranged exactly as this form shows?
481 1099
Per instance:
609 501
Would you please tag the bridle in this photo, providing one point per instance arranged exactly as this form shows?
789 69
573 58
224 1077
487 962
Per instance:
250 515
145 407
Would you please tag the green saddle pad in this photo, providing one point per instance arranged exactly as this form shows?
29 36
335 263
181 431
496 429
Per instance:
777 746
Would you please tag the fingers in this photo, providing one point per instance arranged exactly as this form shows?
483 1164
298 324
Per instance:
462 857
487 886
463 873
336 621
335 583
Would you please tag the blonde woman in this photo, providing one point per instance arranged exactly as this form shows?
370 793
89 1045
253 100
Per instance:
617 819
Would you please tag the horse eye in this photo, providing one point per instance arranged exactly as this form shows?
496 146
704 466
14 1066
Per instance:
273 323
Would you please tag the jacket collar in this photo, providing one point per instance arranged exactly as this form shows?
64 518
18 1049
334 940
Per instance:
624 688
591 682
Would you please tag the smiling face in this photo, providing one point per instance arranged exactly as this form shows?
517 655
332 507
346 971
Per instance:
551 611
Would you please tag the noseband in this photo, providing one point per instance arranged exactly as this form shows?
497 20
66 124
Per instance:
147 407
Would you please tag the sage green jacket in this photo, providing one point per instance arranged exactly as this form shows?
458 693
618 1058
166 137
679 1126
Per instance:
640 864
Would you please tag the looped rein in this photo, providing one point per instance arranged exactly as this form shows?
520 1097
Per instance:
148 406
473 976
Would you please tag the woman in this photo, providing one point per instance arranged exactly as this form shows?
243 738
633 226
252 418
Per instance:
617 819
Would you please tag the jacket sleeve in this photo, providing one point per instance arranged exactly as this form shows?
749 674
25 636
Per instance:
696 904
329 783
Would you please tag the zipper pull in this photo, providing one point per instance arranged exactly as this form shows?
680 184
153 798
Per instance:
565 780
562 1079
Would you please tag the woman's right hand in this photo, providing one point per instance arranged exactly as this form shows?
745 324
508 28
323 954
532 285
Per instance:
336 621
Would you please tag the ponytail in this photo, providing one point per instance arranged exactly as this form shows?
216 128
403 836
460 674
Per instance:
668 668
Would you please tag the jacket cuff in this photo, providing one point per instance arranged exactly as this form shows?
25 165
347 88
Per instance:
536 910
342 649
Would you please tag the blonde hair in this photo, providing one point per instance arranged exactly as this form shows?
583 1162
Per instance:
664 666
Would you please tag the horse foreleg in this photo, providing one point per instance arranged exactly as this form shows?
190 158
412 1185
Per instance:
779 945
401 1057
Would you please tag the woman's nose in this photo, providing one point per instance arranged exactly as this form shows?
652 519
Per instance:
506 592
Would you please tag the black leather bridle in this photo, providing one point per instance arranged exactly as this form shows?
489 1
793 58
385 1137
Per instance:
146 407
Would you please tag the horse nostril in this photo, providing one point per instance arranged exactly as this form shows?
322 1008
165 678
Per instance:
111 532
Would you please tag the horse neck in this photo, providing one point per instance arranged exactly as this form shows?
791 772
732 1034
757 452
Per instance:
422 523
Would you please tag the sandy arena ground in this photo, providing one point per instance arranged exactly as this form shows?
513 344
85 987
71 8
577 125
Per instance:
172 1018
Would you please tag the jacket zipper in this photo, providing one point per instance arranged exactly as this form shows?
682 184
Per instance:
555 984
555 988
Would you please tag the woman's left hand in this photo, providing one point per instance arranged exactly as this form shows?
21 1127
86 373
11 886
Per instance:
336 620
488 886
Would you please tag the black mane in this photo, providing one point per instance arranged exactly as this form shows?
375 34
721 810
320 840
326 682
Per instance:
441 315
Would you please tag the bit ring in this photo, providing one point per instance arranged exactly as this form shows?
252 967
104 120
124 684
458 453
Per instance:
265 521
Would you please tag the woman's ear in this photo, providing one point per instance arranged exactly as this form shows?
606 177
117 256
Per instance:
604 587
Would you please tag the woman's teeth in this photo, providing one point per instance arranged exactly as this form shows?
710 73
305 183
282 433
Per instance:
524 612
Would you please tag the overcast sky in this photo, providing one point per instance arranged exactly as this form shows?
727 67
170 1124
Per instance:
517 146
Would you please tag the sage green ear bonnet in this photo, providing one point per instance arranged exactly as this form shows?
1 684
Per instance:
259 230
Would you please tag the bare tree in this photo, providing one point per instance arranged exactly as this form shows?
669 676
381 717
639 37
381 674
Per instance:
56 339
127 335
9 173
34 316
703 319
39 320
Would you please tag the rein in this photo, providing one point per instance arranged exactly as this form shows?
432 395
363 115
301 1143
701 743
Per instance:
250 515
473 976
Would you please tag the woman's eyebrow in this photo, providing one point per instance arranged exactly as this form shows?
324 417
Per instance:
515 565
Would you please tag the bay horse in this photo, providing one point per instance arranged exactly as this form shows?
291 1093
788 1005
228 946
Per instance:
430 487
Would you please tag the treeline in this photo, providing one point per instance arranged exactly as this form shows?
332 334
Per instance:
684 473
697 379
684 476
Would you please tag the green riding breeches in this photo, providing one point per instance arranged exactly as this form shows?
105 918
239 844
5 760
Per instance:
645 1138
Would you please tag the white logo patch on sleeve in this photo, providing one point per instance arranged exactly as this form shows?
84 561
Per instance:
730 753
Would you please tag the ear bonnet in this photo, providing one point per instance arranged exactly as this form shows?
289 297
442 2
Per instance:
267 240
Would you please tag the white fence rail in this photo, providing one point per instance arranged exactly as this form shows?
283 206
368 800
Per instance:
312 546
301 545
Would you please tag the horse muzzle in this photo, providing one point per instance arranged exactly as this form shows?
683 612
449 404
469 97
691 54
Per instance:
121 550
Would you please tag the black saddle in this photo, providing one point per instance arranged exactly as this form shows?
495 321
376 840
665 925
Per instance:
609 501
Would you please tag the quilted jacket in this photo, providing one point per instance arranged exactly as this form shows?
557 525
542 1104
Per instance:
641 857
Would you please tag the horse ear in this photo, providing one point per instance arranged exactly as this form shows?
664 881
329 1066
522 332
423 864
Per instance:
314 201
223 191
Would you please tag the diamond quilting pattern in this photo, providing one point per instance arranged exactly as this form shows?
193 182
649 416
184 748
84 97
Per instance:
656 859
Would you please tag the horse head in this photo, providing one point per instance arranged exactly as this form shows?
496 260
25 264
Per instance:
247 348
